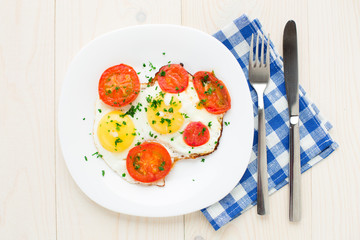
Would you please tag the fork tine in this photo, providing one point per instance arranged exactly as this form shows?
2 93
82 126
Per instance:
262 52
268 52
251 57
257 52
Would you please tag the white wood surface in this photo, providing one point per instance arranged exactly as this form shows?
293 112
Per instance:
39 199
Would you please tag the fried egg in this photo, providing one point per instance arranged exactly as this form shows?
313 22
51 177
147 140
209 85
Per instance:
153 116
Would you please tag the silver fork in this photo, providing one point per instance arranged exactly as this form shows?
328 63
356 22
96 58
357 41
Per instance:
259 74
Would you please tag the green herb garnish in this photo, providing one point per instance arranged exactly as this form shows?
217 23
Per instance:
98 155
209 91
118 140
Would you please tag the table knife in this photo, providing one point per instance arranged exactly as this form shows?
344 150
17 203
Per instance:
292 92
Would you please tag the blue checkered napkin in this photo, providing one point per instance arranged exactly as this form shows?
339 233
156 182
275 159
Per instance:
316 143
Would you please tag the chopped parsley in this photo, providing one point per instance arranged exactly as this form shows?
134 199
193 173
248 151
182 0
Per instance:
99 110
204 80
171 110
209 91
123 175
83 118
138 73
162 73
209 124
202 102
98 155
172 139
156 103
176 88
151 66
203 160
144 65
138 143
161 168
103 172
202 131
153 122
181 132
185 115
151 134
118 140
163 53
157 114
85 158
148 99
132 110
163 120
227 123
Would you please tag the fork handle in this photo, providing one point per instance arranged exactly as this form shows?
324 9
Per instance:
262 184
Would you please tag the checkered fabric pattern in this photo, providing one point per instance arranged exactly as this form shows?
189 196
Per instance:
316 143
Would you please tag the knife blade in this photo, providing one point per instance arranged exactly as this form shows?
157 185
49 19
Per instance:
290 53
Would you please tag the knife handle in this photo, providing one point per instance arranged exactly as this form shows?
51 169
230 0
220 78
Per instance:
295 172
262 184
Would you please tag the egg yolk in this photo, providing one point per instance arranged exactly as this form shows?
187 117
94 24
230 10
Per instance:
165 119
116 132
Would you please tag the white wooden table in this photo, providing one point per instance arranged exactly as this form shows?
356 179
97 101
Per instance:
38 39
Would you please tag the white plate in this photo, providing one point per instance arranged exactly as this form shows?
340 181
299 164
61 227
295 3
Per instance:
191 185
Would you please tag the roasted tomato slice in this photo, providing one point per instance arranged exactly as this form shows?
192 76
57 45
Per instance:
212 92
119 85
173 78
196 134
148 162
